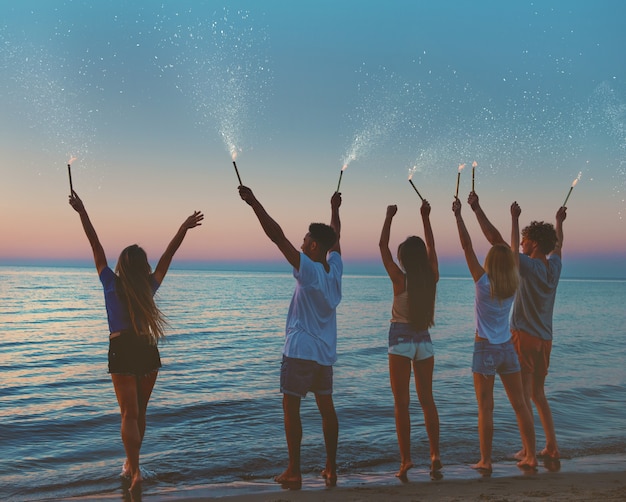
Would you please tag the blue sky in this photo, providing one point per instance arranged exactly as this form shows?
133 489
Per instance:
141 92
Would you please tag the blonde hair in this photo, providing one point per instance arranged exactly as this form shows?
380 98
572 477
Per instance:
502 272
134 288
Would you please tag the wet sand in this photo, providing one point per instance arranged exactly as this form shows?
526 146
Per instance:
598 478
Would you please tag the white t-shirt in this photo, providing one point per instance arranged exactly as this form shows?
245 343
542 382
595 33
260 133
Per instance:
311 329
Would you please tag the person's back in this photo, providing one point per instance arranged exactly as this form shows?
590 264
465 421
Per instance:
492 313
534 303
311 328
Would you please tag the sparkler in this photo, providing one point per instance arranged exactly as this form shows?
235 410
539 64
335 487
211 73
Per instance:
411 171
345 166
69 173
458 179
234 156
474 164
572 187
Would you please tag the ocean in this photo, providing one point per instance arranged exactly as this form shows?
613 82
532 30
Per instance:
215 416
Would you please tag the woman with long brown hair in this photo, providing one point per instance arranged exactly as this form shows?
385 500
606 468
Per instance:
414 282
136 325
496 284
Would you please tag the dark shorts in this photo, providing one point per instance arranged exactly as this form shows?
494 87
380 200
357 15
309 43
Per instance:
130 354
492 358
533 352
299 376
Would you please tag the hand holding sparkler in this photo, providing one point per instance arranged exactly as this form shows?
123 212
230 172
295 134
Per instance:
76 203
425 208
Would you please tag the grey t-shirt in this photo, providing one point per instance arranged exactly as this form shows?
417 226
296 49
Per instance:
534 301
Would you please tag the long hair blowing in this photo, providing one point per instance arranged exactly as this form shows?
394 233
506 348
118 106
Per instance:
502 272
420 282
135 291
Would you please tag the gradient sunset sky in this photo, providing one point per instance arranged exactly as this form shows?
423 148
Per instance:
151 97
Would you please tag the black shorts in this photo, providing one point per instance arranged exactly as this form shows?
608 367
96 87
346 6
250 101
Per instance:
130 354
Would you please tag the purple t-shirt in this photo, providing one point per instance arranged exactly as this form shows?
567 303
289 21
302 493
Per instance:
117 314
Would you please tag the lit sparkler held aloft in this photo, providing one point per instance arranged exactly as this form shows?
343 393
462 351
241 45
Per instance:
69 173
458 179
474 164
572 187
345 166
234 156
411 172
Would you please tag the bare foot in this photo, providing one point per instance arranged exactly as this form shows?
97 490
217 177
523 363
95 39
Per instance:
404 468
520 454
330 476
289 479
136 482
484 468
528 464
550 453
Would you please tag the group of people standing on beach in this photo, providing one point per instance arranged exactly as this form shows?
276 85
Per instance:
517 349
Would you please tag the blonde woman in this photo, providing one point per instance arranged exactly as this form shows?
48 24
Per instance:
414 281
496 284
136 325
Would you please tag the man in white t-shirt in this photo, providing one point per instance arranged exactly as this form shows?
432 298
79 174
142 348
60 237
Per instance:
310 348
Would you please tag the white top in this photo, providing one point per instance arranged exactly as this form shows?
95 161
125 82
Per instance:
492 314
311 330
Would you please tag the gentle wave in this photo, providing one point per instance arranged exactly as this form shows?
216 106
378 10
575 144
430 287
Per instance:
217 395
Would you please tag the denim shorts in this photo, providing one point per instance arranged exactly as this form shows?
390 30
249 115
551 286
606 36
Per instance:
406 342
130 354
299 376
492 358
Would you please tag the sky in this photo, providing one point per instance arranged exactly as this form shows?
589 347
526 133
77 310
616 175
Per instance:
154 98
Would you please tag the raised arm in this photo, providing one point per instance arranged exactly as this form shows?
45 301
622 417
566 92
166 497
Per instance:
491 233
473 264
515 212
271 228
430 239
561 214
163 266
335 221
99 257
393 270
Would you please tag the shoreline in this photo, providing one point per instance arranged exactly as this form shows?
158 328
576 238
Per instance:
592 478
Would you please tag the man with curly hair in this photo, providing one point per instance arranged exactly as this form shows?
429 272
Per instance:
531 321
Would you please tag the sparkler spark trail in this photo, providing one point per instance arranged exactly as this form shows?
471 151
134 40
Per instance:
574 183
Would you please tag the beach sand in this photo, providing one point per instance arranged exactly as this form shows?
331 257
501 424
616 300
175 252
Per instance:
597 478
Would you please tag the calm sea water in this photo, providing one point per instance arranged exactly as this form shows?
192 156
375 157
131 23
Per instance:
215 416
